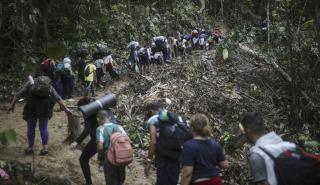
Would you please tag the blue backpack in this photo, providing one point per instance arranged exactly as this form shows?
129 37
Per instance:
60 70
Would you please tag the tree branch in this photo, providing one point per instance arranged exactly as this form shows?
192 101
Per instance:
272 62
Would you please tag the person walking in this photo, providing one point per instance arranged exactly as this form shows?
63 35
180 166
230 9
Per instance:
99 65
163 148
40 99
90 77
90 127
114 175
67 79
201 156
262 166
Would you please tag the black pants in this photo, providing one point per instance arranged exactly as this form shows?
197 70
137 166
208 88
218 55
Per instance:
114 175
167 171
100 74
67 86
88 152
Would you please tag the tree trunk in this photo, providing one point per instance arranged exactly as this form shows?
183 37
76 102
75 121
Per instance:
203 5
268 22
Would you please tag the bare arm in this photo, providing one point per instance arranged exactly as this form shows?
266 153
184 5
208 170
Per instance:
153 140
63 106
186 175
22 93
224 164
100 150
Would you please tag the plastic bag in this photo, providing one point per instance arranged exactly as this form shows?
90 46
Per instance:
225 54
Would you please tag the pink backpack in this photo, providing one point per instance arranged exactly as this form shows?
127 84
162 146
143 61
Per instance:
120 152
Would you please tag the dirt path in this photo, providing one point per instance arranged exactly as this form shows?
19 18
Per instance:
61 159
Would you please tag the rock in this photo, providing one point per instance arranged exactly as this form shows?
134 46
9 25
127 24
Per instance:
50 178
168 101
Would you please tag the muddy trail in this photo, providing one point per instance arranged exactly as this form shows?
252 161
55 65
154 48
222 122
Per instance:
203 84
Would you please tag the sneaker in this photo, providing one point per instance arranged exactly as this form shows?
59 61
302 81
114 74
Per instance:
43 152
28 151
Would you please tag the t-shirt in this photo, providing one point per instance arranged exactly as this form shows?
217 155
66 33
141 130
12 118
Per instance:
258 167
90 77
103 133
204 156
99 63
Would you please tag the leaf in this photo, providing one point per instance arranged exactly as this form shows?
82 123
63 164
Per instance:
30 66
309 22
9 137
56 50
225 54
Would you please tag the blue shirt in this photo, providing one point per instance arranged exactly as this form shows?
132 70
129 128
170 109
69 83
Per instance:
204 156
99 63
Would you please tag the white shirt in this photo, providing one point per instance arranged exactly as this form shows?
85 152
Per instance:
275 145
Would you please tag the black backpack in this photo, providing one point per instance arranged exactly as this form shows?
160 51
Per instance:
295 167
173 132
87 70
42 86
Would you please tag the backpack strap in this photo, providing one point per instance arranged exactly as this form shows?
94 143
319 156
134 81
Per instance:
268 153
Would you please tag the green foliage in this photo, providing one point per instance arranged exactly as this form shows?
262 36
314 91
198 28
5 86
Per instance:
30 66
56 50
184 12
228 138
8 137
141 139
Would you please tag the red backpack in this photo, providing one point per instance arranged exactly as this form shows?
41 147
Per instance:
120 152
296 167
47 65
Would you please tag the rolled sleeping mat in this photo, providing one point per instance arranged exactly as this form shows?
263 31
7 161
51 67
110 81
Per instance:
92 108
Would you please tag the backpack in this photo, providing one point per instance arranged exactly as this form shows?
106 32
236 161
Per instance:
120 151
87 71
295 167
173 132
60 69
42 87
160 43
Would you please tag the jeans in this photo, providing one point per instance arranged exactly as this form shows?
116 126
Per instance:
114 175
88 152
89 86
43 127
